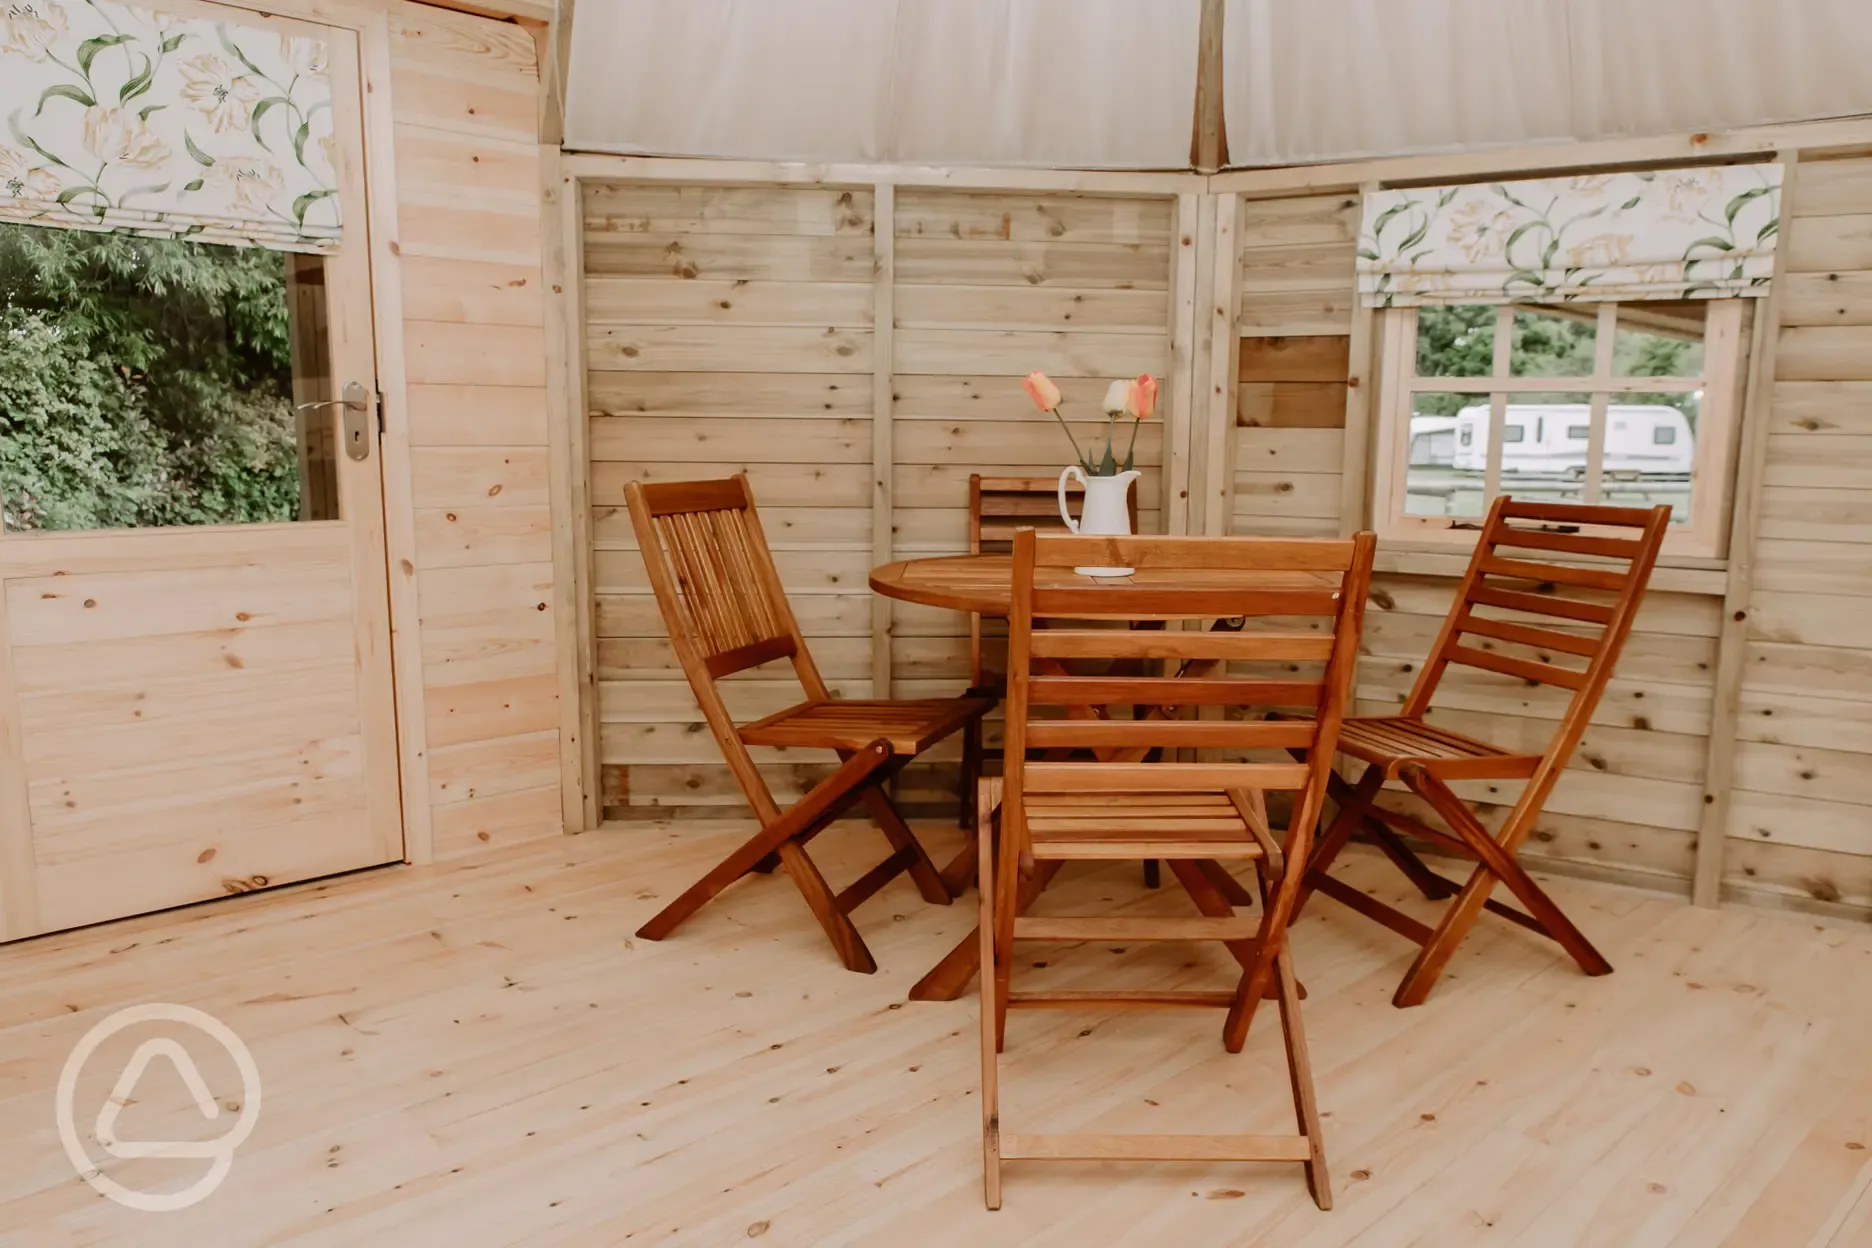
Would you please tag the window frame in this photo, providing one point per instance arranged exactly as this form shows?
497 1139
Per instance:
1702 536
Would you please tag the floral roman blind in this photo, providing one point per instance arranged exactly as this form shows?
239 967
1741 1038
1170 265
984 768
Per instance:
1664 234
120 118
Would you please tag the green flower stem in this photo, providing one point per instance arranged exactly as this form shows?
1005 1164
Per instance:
1083 462
1132 449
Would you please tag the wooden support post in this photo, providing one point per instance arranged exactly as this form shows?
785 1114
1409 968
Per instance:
1188 406
1732 640
1209 133
553 42
883 319
1361 374
1219 390
562 274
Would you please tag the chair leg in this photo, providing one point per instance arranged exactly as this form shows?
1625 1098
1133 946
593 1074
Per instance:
957 876
990 1018
970 779
922 871
1153 878
1496 864
1300 1075
1433 886
824 905
949 978
1211 904
1352 804
825 802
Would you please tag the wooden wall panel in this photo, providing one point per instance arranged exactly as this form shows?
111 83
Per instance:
988 288
1296 295
1800 826
727 329
737 328
1630 802
465 97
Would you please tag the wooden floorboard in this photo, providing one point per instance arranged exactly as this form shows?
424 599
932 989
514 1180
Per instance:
482 1053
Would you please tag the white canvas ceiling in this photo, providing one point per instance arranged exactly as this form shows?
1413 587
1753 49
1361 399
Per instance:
1111 83
1076 83
1310 80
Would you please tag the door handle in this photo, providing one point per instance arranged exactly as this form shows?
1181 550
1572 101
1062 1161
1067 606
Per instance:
357 403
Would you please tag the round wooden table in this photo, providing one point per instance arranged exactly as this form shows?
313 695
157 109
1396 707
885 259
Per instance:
984 583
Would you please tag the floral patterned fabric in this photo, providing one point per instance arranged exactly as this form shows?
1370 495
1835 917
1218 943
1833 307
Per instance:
1665 234
120 118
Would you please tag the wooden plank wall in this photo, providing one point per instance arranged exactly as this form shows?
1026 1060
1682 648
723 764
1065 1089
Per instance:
1800 823
733 328
1295 296
727 330
465 99
988 288
1631 801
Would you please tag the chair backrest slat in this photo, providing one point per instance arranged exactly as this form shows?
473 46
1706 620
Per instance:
1529 618
1242 601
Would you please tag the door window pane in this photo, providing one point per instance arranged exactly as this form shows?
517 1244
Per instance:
153 382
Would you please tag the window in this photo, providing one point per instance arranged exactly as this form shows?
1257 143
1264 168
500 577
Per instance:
1627 404
152 382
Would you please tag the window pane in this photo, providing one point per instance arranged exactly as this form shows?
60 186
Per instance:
1552 342
1662 339
151 382
1545 440
1448 456
1650 451
1456 341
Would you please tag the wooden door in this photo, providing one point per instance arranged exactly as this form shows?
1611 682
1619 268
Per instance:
189 712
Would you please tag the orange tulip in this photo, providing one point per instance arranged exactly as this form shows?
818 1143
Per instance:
1143 399
1042 391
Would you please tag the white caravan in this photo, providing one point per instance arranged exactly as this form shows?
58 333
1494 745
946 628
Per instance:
1642 439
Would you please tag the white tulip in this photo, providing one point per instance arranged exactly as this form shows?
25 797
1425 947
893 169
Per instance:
1117 398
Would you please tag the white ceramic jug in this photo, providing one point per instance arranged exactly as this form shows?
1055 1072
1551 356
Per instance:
1106 514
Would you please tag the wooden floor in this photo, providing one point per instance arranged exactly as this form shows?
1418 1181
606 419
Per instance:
482 1054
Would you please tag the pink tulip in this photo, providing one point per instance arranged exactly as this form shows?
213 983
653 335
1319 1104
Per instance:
1143 399
1042 391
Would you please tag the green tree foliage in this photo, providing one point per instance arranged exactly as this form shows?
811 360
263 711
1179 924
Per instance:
143 382
1459 341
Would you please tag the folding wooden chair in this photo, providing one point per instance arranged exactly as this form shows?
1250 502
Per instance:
1192 814
1518 615
726 612
997 507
